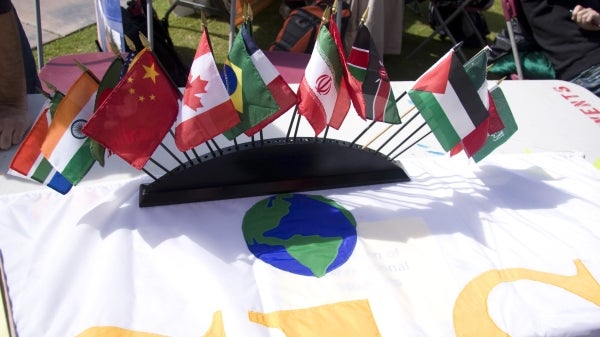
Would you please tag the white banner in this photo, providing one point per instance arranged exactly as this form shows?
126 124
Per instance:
509 247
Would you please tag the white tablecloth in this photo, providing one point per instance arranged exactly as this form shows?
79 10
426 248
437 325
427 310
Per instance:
458 246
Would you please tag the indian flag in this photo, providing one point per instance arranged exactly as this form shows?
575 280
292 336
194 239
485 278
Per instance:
450 103
65 146
29 162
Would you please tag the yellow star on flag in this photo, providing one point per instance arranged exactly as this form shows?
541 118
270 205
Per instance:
151 73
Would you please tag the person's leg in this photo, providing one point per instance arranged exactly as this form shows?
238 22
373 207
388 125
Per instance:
589 79
31 72
14 116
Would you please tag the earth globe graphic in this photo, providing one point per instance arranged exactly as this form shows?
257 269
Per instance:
303 234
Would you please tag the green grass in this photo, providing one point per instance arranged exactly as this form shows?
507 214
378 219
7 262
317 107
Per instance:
185 32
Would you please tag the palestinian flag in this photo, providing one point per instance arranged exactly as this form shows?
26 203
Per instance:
476 69
450 104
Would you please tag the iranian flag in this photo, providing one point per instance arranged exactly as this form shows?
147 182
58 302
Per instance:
323 94
450 104
354 85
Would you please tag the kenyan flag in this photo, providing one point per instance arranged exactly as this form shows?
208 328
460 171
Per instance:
367 67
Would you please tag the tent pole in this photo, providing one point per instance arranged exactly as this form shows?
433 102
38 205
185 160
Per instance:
149 16
38 24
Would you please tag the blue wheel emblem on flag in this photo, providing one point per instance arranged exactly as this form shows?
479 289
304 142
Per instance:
303 234
76 127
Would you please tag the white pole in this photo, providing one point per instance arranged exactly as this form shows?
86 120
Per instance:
515 51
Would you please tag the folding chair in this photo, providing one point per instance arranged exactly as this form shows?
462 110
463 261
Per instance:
443 29
415 6
196 5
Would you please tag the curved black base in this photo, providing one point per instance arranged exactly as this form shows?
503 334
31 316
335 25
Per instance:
271 167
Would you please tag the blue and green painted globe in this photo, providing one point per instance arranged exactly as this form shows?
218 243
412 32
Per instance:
302 234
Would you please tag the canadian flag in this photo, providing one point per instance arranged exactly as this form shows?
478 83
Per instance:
206 109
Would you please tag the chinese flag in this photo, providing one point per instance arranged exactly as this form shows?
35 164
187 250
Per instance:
138 113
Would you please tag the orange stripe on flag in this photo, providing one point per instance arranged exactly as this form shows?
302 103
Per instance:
76 98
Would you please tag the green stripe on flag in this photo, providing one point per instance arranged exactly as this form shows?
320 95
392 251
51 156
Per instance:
42 171
500 137
80 164
258 101
391 115
357 72
328 50
436 118
476 68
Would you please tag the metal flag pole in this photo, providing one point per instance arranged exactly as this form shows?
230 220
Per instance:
40 43
150 23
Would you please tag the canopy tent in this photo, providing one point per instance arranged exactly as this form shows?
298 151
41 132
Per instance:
233 15
38 20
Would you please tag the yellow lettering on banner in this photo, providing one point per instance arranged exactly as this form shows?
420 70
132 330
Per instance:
471 317
112 331
348 319
216 328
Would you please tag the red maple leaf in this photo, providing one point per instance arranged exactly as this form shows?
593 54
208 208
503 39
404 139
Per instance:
197 87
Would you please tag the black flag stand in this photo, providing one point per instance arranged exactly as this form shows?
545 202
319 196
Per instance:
271 167
288 164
